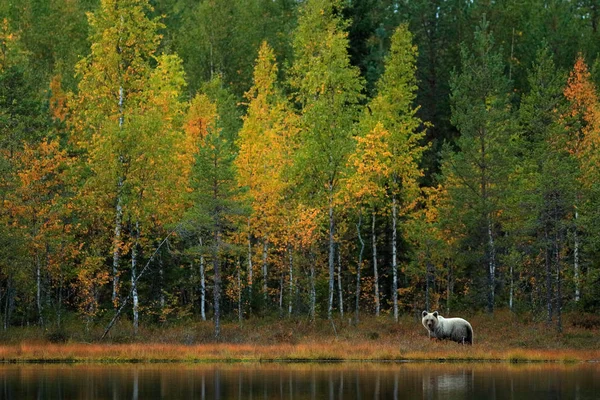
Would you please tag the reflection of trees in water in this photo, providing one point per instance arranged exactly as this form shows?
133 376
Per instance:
299 381
448 385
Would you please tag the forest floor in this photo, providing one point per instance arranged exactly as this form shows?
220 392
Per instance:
503 337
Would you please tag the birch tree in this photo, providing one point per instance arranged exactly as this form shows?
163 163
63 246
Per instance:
328 89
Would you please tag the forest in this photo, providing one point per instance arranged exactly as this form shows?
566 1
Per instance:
178 160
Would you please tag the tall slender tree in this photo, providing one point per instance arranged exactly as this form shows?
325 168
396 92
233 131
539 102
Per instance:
328 89
476 175
265 154
126 122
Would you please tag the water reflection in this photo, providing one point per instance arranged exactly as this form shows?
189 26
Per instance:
300 381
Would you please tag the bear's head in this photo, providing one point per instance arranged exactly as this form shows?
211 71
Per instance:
430 320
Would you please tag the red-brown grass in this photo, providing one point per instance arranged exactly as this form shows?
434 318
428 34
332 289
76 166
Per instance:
502 337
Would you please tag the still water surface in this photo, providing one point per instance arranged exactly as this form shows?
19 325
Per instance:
301 381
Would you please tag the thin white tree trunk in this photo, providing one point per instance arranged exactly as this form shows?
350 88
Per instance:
375 270
38 280
339 273
161 274
134 292
491 266
217 283
291 270
264 271
359 267
576 260
313 291
331 252
281 289
202 290
510 298
118 216
239 289
394 259
250 267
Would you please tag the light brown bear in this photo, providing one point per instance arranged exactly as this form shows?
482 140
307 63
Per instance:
456 329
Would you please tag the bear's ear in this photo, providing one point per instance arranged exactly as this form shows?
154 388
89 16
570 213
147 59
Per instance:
424 313
435 314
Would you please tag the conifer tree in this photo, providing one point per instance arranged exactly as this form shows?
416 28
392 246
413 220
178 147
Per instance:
476 175
544 187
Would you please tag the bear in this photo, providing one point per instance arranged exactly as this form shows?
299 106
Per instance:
456 329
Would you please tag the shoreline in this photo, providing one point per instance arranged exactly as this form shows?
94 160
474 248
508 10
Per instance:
148 353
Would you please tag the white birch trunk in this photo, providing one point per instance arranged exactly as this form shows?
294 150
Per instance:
264 271
202 290
491 266
358 267
161 274
217 284
339 273
118 217
202 284
38 280
250 267
239 289
510 298
375 269
394 259
576 260
331 252
313 291
291 266
134 292
281 289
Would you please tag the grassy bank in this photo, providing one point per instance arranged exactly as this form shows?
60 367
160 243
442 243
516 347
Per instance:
502 337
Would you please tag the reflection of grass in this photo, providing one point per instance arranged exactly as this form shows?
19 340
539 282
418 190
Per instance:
502 337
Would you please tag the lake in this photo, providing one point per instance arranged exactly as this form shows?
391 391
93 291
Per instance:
300 381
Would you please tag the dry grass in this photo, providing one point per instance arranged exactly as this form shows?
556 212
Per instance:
503 337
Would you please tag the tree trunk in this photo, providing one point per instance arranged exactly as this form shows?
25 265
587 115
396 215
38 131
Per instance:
313 291
161 275
576 259
239 289
134 292
38 284
511 294
491 265
428 270
117 246
118 217
331 252
394 259
217 284
450 288
281 289
340 286
250 267
558 286
359 267
8 302
202 285
265 272
291 266
60 300
548 280
375 270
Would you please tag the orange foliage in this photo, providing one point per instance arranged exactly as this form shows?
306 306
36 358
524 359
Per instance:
58 99
585 113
